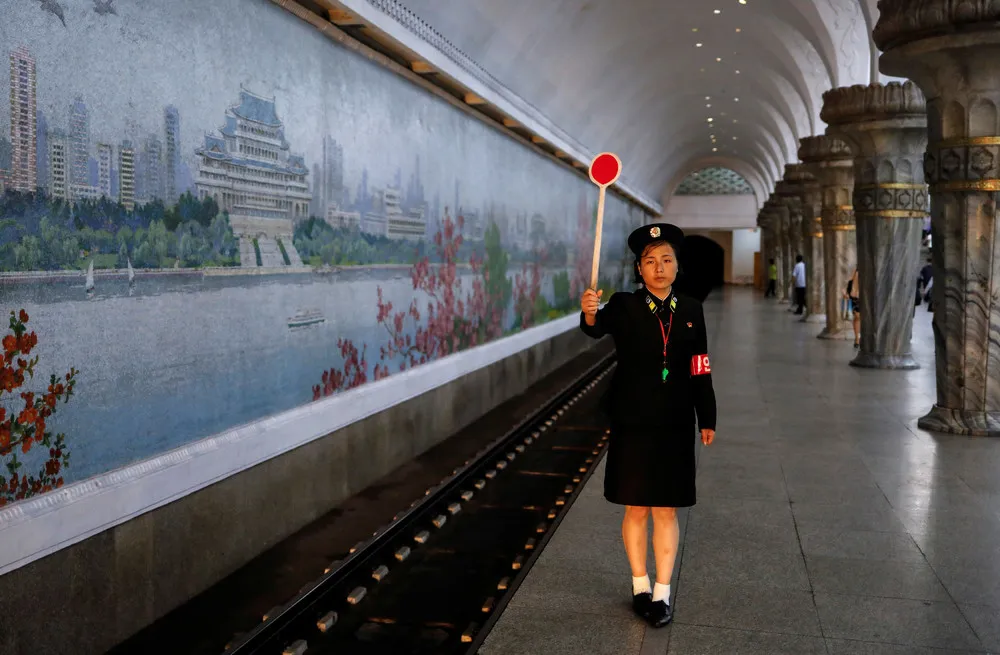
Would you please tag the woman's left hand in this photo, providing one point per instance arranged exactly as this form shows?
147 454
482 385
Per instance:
707 436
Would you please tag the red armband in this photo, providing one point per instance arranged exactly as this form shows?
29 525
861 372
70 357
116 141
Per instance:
700 365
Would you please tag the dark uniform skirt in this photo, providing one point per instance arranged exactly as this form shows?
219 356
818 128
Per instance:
651 467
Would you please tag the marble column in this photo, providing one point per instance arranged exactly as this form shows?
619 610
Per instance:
767 239
812 240
829 160
788 196
951 50
886 128
778 242
783 221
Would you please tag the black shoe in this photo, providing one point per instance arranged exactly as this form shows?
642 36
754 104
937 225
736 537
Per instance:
660 614
641 603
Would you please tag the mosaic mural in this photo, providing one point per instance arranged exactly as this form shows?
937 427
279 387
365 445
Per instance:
714 181
201 227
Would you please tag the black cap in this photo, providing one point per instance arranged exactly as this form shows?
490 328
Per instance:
647 234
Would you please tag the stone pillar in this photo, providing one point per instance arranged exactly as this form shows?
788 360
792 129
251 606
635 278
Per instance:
886 128
788 196
829 159
782 223
812 240
951 50
767 238
778 242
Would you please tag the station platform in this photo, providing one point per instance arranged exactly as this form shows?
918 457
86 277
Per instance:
826 521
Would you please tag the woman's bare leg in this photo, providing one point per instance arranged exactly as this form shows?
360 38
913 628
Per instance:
666 538
857 328
634 535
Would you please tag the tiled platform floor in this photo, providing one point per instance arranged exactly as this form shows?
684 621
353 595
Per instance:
826 522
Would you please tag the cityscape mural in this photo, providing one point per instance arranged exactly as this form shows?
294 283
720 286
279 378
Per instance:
201 227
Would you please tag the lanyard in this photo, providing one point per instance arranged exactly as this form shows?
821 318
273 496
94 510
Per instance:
666 336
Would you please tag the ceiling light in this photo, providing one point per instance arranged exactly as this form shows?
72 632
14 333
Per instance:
743 2
718 59
694 29
717 12
708 104
715 149
738 29
734 138
710 120
722 113
697 45
737 72
736 99
734 120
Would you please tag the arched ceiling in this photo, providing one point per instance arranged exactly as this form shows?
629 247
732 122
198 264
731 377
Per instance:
629 76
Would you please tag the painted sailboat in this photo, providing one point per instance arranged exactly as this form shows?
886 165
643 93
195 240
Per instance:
90 278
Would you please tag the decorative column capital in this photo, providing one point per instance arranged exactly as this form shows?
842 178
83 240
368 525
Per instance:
886 127
874 102
824 150
904 21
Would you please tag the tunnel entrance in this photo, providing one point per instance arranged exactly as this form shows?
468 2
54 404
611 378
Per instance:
703 265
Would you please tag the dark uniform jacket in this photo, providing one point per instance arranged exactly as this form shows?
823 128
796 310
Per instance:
640 396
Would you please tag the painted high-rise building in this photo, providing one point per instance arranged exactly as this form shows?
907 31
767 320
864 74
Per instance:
23 116
79 138
126 175
151 184
172 153
105 161
250 172
59 165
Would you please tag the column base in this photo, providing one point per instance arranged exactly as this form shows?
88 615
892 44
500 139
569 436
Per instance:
961 421
815 318
890 362
840 335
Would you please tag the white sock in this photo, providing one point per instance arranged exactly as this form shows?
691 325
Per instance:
661 592
640 585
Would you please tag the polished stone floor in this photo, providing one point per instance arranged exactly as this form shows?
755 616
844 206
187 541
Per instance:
826 522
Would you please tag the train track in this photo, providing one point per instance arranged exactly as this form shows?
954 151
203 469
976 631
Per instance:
438 576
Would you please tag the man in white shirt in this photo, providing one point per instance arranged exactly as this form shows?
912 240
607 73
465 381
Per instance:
799 277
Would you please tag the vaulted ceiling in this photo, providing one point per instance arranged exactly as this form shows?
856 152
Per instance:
672 86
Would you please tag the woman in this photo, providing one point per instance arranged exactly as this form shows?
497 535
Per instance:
854 294
662 380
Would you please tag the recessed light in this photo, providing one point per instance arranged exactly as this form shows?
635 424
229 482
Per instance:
708 97
734 120
718 59
743 2
737 72
736 99
738 29
734 138
717 11
710 120
715 149
697 45
708 104
694 29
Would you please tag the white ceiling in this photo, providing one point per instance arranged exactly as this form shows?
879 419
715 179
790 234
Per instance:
626 75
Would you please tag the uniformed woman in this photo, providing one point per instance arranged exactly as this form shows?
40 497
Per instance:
662 382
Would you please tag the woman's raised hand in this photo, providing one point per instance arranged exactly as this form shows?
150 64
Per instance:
589 303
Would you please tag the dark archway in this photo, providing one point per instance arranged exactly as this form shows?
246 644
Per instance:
703 266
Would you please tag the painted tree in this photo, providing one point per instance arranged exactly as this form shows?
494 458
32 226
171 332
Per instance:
23 429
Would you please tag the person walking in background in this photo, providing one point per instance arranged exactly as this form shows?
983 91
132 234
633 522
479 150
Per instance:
926 282
799 277
772 279
853 293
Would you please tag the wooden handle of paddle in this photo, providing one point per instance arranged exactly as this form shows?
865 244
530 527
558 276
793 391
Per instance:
597 239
